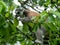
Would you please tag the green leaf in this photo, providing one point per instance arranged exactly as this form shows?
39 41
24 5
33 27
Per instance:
52 26
56 13
3 6
16 22
0 8
7 15
12 27
47 3
44 16
2 20
35 1
31 24
25 28
8 2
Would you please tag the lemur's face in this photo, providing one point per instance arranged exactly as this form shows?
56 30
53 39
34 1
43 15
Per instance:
19 12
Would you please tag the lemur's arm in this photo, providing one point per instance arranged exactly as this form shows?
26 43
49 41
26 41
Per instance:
25 19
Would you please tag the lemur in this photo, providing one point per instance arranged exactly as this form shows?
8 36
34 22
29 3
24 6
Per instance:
28 15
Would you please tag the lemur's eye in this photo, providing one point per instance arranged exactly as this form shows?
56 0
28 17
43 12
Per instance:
17 11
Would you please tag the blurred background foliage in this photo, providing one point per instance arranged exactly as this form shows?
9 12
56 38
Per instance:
11 31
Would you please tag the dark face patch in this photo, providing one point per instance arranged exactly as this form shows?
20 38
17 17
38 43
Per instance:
25 13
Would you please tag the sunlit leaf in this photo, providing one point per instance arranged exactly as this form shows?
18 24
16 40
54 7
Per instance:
2 6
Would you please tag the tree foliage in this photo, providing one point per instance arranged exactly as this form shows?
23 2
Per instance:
10 32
